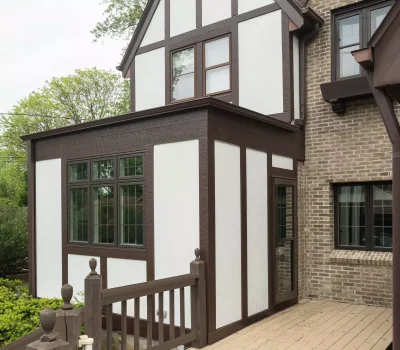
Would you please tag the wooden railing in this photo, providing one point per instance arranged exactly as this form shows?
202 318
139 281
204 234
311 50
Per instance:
96 299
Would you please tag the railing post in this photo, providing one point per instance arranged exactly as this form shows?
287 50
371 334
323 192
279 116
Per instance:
199 302
93 307
49 339
69 319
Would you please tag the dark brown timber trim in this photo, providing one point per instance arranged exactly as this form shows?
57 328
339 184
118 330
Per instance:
287 52
32 218
103 272
235 8
167 19
243 198
199 14
111 252
292 11
235 63
226 331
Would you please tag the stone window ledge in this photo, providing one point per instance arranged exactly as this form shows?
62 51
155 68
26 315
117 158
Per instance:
356 257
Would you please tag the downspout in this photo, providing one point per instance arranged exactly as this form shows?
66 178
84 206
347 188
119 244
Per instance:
303 70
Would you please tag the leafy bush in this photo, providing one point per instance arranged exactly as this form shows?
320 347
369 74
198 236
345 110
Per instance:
13 238
19 312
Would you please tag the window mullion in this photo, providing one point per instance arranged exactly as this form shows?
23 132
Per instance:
368 214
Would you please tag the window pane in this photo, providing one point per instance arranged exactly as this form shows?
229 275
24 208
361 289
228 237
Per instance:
382 203
217 52
348 65
131 214
351 215
218 79
377 16
183 87
349 29
103 169
132 166
183 62
103 214
78 215
78 172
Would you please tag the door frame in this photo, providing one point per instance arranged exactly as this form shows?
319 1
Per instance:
291 298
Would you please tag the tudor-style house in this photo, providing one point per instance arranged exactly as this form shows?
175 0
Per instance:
254 136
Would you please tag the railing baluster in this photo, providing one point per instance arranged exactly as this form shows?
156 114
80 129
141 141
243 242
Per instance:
109 326
150 313
123 325
136 330
182 307
171 314
161 318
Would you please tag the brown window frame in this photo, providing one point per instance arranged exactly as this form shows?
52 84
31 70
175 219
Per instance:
229 63
172 74
369 217
114 182
363 9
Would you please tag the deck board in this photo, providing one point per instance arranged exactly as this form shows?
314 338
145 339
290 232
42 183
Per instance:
316 325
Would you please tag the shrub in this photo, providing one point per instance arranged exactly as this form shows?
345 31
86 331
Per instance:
19 312
13 238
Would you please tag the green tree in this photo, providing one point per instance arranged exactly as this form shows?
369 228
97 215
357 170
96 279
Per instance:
84 96
121 19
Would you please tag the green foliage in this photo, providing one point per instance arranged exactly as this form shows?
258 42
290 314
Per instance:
19 312
121 19
84 96
14 238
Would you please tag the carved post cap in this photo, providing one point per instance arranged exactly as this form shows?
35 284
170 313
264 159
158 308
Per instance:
48 321
93 265
197 253
66 293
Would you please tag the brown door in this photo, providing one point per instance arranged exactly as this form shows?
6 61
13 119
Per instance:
285 235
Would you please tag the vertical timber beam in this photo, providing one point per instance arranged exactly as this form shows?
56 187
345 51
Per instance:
31 218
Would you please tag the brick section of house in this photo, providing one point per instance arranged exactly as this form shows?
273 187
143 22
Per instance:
349 148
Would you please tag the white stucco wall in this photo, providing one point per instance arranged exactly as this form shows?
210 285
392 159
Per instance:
183 16
257 230
176 212
78 270
48 228
156 30
216 10
123 272
260 64
282 162
248 5
296 76
227 234
150 79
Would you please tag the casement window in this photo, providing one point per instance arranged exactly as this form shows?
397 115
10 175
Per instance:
353 28
106 201
363 216
216 68
183 74
217 65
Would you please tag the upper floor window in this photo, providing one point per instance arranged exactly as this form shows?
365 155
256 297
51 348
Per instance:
106 201
363 216
353 28
217 66
183 74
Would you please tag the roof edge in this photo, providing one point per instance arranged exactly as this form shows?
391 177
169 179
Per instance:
206 102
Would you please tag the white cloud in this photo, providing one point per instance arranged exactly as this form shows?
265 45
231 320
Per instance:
41 39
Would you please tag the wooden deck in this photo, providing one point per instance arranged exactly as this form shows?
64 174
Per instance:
317 325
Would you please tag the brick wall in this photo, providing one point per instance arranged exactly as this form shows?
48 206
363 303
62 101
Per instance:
352 147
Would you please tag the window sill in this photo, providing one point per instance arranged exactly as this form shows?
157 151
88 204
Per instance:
357 257
132 253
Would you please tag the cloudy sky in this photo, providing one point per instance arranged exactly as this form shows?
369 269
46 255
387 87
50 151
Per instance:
41 39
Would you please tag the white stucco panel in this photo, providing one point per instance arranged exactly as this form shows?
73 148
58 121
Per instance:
227 234
260 64
282 162
296 76
150 79
123 272
249 5
48 228
176 212
156 30
216 10
78 269
183 16
257 230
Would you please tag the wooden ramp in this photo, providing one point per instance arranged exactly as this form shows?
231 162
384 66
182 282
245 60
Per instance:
317 325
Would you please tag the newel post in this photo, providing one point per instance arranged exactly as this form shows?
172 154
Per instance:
199 302
93 307
49 339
